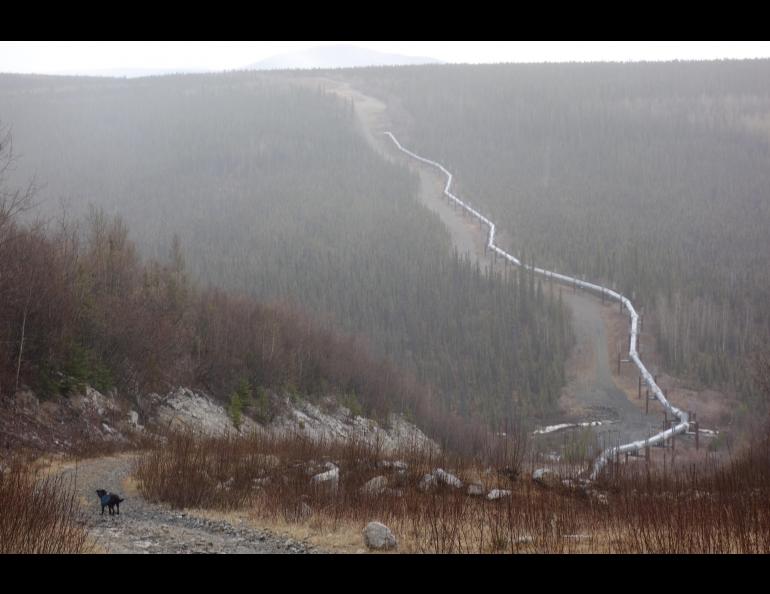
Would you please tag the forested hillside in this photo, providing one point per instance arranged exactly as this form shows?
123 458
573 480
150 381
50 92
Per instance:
273 194
654 178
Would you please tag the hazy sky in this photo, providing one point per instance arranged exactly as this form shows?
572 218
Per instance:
57 56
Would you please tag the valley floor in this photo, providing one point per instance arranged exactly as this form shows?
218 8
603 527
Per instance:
594 390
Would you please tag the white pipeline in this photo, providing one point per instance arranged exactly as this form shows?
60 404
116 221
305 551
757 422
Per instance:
609 453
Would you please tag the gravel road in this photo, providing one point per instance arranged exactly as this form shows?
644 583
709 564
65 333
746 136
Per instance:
144 527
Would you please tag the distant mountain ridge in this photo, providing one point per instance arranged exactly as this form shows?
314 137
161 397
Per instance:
337 56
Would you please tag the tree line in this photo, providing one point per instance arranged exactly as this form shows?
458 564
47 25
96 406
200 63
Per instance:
274 195
651 178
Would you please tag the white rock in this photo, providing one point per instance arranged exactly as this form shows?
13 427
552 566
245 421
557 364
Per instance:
546 477
427 482
379 537
307 419
133 420
475 489
330 479
399 465
495 494
447 478
375 486
185 409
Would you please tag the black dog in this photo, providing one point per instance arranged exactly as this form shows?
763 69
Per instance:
109 500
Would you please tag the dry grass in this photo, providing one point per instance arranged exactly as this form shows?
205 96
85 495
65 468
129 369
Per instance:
39 513
703 509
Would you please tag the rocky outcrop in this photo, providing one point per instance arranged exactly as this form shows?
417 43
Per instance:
59 422
62 423
184 409
304 418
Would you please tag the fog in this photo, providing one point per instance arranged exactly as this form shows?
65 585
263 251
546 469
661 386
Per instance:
546 268
141 58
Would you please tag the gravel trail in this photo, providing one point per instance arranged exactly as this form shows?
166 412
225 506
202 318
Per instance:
144 527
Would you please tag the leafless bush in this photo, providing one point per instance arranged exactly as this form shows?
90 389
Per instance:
39 514
706 508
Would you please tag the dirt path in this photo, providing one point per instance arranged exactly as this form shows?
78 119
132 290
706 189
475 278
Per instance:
467 235
144 527
591 393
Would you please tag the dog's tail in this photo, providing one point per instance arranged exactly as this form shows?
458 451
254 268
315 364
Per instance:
120 500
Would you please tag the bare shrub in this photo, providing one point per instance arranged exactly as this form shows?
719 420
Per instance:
39 514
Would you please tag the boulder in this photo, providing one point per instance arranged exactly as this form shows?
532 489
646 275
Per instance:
545 477
475 489
375 486
427 482
133 420
496 494
378 536
447 478
398 465
329 479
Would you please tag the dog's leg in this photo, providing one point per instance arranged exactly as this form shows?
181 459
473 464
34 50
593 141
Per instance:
102 510
118 506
